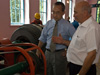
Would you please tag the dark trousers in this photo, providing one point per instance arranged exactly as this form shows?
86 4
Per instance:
56 62
74 69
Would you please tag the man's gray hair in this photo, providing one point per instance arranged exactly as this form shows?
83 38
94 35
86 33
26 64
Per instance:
87 8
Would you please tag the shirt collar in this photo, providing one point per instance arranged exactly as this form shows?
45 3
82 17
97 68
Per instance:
58 21
87 22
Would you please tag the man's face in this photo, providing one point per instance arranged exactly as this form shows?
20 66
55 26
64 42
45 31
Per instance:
57 12
78 14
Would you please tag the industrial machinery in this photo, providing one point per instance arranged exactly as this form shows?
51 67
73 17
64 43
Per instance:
27 33
17 55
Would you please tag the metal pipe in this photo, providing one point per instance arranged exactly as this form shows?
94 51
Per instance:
9 52
19 67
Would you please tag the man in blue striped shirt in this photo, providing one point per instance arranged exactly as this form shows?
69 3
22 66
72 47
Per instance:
56 61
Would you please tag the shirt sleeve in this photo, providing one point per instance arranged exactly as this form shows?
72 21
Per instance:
43 36
92 40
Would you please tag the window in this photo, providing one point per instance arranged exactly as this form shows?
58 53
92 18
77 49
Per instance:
70 10
43 11
98 13
17 12
59 0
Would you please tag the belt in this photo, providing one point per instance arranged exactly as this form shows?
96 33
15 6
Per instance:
56 50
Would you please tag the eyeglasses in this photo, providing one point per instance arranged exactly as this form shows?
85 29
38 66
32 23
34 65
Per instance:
57 13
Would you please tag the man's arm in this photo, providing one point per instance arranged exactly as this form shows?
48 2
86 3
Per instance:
40 44
60 40
88 62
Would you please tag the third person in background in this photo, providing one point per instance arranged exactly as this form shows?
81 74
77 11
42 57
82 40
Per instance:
75 24
37 20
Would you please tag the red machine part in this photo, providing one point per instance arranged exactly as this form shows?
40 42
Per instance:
20 58
26 55
3 42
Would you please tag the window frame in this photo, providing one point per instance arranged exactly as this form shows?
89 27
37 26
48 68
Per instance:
97 12
20 14
59 0
43 11
70 10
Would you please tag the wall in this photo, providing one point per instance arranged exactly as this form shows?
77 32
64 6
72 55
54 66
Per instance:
90 2
34 7
66 9
6 30
93 9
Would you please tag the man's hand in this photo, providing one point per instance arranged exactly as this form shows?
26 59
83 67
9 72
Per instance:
58 40
38 53
88 62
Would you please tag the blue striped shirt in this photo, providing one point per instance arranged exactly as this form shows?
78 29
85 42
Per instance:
64 27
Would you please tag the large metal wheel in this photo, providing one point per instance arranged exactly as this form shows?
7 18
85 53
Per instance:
27 33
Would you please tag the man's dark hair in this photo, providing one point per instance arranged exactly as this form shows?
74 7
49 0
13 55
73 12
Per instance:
60 3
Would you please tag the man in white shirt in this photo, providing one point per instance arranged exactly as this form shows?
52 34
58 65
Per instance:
83 51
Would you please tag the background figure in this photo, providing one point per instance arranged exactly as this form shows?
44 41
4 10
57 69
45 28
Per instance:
37 19
75 24
56 60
